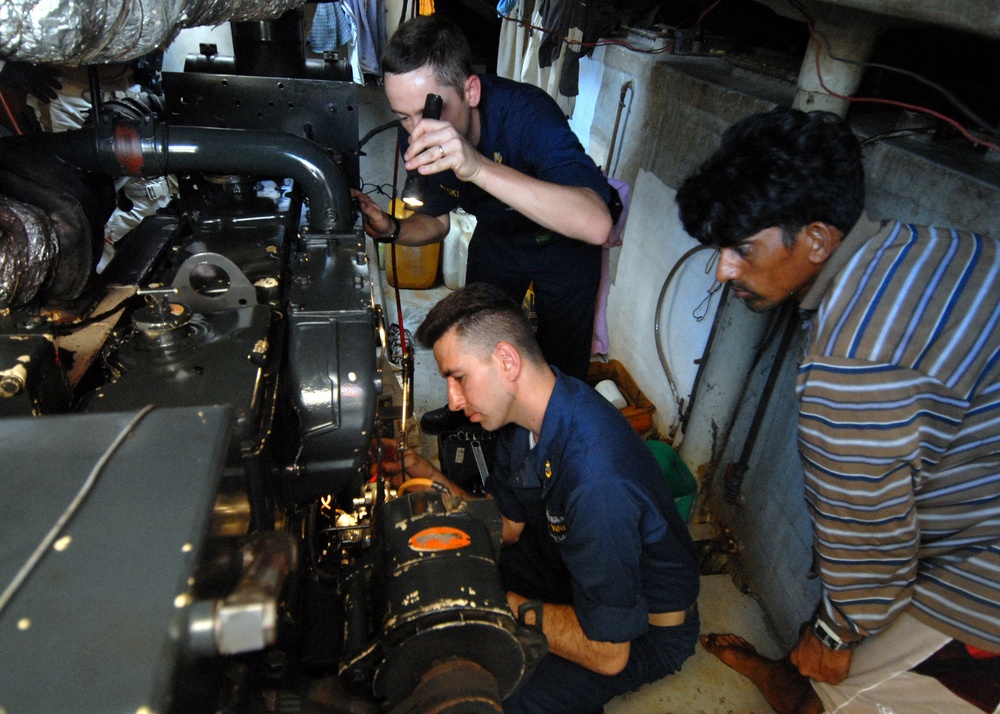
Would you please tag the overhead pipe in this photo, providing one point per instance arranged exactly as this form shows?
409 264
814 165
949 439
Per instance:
123 147
833 66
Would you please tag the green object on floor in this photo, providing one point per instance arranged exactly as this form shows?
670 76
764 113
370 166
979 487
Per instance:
681 482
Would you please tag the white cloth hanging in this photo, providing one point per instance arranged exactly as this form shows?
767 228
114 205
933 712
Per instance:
517 57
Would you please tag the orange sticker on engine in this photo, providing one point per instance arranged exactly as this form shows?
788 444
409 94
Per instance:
439 538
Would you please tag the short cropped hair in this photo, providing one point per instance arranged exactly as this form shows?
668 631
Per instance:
784 168
430 41
483 317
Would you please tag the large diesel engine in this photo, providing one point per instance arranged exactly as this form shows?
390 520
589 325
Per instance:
192 514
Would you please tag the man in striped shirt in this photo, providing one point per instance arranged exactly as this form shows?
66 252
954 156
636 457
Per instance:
899 425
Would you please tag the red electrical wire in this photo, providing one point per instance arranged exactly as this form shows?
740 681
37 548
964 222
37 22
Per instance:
706 11
392 256
10 115
399 305
817 39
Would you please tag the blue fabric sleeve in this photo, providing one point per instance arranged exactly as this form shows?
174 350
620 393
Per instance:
551 150
605 562
525 129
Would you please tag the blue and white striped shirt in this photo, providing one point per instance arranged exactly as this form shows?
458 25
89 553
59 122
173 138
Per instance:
899 430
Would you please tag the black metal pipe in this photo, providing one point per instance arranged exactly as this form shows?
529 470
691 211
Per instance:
146 148
270 154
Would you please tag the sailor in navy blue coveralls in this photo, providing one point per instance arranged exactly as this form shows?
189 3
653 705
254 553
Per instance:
589 525
602 534
522 127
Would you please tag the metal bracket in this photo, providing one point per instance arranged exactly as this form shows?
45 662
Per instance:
239 292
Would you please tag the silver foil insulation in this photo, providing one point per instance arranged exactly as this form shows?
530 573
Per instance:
80 32
28 251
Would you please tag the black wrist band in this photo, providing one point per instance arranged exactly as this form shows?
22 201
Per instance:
392 237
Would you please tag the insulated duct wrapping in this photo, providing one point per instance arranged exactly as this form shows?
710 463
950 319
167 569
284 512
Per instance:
79 32
28 250
74 207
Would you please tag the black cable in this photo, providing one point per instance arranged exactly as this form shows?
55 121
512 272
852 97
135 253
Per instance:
383 189
377 130
897 134
785 320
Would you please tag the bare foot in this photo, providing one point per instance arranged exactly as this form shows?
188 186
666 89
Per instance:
787 691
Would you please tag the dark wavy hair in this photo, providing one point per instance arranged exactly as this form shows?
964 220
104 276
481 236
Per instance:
784 168
483 317
430 41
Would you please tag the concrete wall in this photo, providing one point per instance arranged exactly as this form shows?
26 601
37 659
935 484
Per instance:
673 117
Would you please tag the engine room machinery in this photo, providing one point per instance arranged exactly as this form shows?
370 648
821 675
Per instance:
192 515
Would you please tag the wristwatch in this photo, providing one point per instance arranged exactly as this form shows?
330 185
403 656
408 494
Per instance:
825 634
392 237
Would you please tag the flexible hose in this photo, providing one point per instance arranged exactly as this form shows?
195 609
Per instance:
414 483
664 363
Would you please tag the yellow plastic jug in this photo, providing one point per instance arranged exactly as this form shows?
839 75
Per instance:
417 265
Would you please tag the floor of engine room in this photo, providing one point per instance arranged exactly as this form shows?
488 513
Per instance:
704 685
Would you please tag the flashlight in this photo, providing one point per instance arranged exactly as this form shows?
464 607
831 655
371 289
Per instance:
415 187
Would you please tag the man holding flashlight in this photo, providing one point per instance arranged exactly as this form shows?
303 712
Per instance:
503 151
